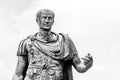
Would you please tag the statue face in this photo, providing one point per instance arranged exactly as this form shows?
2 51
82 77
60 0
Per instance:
46 20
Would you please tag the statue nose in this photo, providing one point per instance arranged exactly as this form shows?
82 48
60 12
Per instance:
46 20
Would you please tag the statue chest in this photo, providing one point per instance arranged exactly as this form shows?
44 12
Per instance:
41 66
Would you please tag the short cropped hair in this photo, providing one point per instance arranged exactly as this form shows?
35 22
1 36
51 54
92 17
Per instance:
38 15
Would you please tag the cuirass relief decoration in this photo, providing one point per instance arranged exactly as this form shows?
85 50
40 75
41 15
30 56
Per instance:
41 66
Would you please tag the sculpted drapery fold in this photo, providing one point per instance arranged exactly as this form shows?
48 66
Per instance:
48 61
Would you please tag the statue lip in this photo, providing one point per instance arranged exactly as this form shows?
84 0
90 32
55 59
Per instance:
46 24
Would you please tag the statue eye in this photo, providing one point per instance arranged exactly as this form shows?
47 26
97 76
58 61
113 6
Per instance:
44 17
49 17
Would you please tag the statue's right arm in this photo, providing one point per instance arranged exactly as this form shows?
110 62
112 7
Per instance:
22 62
21 68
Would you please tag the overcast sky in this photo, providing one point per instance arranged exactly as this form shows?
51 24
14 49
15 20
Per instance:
93 25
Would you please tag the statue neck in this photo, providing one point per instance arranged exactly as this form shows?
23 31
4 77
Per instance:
44 34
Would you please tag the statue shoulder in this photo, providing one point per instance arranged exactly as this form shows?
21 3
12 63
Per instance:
27 39
22 48
65 36
31 38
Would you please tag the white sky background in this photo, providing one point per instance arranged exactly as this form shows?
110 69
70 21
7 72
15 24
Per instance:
93 25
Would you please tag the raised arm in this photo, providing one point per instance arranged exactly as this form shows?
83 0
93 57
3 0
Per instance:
80 65
22 62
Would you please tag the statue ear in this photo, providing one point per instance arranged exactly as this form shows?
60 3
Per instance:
53 21
37 20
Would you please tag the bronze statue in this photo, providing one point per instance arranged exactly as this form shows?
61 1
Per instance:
47 55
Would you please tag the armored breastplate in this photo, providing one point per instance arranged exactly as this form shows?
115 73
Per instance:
42 66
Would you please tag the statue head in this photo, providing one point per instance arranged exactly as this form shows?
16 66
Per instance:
45 19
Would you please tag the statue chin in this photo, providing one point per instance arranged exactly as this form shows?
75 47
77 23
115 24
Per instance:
46 28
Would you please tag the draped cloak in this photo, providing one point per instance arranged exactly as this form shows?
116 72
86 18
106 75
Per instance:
66 54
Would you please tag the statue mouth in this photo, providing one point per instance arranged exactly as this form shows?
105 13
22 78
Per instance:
46 25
